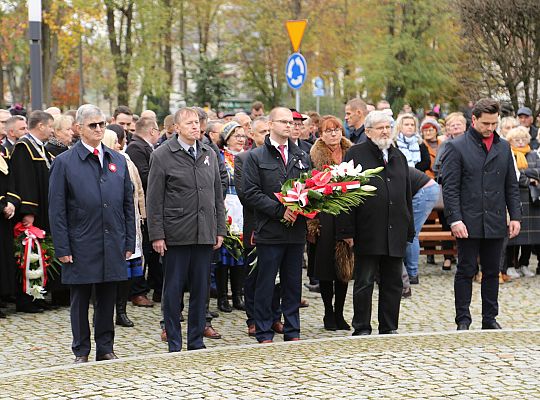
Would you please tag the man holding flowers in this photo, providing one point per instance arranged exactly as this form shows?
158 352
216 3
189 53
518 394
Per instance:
279 246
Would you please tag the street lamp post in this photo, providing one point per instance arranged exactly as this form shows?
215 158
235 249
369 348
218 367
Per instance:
34 33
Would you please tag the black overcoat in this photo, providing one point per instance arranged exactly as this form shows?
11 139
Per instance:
479 186
383 224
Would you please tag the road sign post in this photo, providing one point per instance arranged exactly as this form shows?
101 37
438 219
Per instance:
296 68
318 90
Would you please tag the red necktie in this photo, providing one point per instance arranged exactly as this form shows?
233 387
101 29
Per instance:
281 149
96 152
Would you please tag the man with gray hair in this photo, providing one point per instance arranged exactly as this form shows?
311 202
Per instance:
380 228
93 229
16 128
29 184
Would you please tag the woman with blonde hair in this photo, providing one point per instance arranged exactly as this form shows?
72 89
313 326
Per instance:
409 141
528 164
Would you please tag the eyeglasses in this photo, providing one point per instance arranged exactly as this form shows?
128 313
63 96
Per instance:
284 122
298 124
383 128
239 137
330 131
94 125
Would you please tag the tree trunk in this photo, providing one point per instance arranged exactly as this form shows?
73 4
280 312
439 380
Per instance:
49 46
165 101
2 94
184 79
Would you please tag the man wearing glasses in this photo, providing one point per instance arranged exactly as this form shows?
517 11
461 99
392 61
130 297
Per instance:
298 127
93 229
380 228
280 247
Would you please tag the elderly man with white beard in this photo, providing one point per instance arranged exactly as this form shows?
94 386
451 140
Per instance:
380 228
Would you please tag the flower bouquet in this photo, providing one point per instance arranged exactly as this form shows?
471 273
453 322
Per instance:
335 189
34 252
233 242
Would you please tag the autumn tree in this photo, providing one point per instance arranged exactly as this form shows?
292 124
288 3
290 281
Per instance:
504 37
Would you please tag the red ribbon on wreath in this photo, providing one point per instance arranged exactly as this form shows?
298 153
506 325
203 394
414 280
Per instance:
33 234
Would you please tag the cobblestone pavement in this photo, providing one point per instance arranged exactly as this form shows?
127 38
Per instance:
475 364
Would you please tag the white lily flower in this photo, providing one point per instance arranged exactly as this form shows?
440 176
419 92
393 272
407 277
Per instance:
34 257
368 188
37 292
34 273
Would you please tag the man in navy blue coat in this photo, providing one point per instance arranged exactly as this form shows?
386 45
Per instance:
479 187
93 228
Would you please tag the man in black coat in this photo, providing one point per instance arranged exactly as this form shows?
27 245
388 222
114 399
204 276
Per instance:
479 186
379 228
355 115
279 247
260 131
139 150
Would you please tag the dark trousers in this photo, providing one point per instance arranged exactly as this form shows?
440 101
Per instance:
489 251
389 269
287 259
105 299
249 292
140 285
185 265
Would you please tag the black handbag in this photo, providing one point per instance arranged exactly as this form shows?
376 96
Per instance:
534 191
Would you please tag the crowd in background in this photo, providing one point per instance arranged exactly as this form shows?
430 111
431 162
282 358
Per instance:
43 135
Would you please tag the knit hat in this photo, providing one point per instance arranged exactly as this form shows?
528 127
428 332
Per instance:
228 130
430 122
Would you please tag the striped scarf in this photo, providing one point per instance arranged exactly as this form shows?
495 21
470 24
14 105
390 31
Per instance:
410 147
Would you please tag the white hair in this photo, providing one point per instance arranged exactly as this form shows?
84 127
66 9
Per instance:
376 117
88 111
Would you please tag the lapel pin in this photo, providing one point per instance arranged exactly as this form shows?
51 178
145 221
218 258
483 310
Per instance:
112 167
207 160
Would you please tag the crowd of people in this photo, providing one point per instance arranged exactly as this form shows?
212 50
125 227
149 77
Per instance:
137 206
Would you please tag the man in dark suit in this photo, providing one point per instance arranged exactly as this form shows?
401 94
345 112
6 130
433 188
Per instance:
379 228
186 220
29 185
479 186
279 247
355 115
93 229
260 131
139 150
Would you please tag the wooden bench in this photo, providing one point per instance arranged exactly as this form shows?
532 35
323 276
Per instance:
433 239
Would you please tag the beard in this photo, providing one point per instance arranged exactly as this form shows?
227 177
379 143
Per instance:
383 143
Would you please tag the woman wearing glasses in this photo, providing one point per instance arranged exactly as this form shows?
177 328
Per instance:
233 138
331 256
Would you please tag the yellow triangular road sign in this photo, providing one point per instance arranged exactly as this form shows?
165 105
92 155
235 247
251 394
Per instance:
295 29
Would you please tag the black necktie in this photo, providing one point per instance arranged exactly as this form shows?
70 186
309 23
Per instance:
191 152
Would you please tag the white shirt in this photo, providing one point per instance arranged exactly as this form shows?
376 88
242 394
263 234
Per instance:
186 146
91 150
385 155
286 150
39 142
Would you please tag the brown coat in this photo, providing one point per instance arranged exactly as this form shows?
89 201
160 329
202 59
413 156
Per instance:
333 259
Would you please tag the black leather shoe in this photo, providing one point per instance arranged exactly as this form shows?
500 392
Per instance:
224 305
197 348
391 332
329 322
238 303
341 324
106 357
463 326
80 360
123 320
491 325
361 332
413 280
2 315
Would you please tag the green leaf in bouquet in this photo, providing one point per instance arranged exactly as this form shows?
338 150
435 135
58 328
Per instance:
313 194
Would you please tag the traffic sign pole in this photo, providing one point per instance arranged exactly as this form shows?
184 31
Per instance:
296 68
298 100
